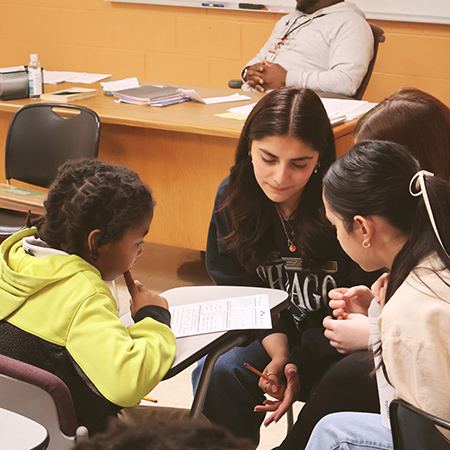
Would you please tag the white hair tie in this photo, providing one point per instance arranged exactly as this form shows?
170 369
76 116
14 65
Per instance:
416 189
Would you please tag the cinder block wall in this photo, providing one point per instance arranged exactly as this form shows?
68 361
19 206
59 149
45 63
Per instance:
195 46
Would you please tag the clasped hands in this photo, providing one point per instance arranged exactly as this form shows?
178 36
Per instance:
265 75
350 306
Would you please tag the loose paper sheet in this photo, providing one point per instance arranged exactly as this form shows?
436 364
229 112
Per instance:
89 78
12 69
239 313
118 85
338 110
56 77
212 100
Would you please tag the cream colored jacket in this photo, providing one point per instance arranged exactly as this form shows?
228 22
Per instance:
415 332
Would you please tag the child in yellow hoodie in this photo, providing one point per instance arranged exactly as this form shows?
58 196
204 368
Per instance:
57 313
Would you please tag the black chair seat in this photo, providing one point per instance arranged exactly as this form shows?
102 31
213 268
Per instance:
41 137
414 429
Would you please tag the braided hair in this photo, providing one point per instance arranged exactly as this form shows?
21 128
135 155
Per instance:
88 195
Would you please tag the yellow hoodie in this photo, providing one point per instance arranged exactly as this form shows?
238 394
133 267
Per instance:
57 313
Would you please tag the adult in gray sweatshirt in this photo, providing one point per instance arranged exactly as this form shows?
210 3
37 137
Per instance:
325 45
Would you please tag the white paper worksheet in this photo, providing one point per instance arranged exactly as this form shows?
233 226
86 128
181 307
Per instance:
251 312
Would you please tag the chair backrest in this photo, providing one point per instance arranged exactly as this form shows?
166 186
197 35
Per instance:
378 36
42 397
39 140
414 429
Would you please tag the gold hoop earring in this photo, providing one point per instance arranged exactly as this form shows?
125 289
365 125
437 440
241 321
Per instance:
366 243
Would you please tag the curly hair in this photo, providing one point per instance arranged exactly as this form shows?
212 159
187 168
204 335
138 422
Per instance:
88 195
185 435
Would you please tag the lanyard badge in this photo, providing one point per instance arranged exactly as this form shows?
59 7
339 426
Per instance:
272 53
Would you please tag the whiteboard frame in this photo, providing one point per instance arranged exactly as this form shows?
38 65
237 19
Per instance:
272 7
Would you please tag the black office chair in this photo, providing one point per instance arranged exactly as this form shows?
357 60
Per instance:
378 36
414 429
42 397
39 140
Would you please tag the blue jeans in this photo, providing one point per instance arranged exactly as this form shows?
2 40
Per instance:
350 431
234 392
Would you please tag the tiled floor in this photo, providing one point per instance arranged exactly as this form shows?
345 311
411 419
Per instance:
160 268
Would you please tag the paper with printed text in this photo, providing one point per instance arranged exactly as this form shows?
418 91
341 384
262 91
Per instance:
238 313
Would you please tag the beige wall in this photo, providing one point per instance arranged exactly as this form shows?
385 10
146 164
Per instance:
192 45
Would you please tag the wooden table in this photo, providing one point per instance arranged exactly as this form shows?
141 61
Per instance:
182 151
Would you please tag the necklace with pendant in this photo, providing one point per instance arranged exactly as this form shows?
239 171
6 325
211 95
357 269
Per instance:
291 245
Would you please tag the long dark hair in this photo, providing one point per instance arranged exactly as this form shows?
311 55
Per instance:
373 179
415 119
86 195
292 112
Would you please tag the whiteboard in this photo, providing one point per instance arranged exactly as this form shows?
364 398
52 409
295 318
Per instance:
428 11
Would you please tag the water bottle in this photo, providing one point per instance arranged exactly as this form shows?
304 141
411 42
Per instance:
34 78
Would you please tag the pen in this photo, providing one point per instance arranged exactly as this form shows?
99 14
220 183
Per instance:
213 5
150 399
256 371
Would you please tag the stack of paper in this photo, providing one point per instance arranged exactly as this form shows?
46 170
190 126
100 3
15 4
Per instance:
155 95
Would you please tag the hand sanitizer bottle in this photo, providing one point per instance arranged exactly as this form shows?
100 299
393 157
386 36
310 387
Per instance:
34 78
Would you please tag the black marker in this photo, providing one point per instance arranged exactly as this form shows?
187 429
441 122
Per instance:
251 6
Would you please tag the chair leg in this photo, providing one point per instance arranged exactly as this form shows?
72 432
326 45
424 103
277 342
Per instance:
82 434
202 388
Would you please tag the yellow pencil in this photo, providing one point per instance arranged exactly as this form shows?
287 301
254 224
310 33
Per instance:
150 399
256 371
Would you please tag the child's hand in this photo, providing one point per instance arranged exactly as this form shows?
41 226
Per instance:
141 296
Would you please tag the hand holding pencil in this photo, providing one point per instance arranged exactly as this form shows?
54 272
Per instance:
268 380
290 395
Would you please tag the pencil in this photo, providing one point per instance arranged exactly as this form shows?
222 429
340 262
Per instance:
150 399
256 371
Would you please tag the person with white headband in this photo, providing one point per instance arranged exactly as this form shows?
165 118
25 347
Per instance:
389 214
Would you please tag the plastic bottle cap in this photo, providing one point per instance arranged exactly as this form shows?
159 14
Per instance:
33 57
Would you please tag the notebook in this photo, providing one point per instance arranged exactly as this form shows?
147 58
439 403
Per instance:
147 93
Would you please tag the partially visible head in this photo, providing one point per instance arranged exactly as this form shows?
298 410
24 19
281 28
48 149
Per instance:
94 210
311 6
415 119
371 181
288 126
184 435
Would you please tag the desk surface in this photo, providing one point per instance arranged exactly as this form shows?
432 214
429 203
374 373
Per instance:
188 117
19 432
189 347
182 152
192 348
